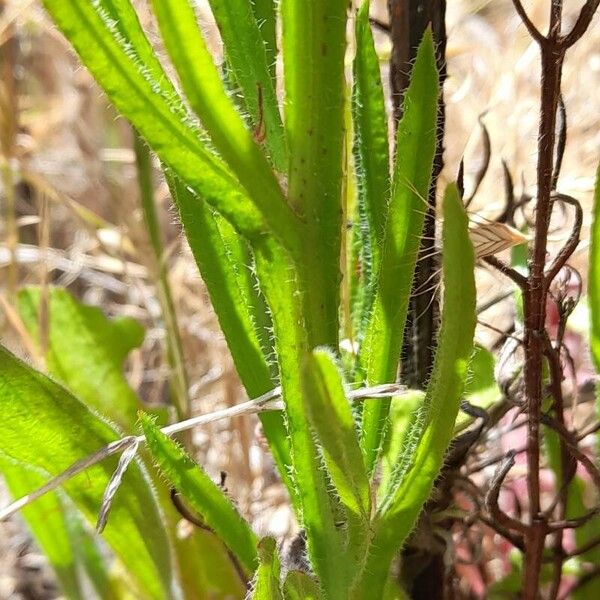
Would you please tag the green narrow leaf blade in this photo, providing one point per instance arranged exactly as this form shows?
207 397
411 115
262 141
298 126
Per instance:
266 582
121 18
371 145
251 56
265 12
402 408
129 85
206 94
313 504
433 426
415 149
215 246
330 415
202 494
47 429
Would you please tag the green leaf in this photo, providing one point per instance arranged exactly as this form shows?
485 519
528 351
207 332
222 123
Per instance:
433 426
266 583
85 351
314 45
215 246
217 249
402 409
250 57
206 94
47 522
203 495
594 278
120 17
178 377
301 586
415 149
130 85
265 12
330 415
205 568
481 388
371 145
58 530
48 429
312 503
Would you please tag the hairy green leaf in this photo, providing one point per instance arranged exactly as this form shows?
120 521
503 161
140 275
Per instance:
120 17
131 86
432 428
202 494
47 429
265 13
206 94
313 505
266 582
301 586
249 55
217 250
481 387
371 146
415 149
402 408
85 350
330 415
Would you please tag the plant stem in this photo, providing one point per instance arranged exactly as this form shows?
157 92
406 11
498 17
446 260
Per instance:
552 57
178 374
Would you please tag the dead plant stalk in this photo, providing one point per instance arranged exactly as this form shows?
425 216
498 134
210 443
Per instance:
553 48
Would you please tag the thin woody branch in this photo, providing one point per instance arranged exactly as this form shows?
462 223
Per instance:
512 274
571 244
531 28
491 498
583 22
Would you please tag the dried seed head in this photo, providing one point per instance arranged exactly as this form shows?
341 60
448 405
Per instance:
490 238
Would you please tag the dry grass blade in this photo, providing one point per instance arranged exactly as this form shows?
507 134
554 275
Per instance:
269 401
114 483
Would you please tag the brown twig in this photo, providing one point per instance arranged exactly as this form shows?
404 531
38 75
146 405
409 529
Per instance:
512 274
491 498
487 153
531 28
552 57
583 22
571 244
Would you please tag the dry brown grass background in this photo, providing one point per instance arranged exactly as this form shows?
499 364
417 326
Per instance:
71 152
